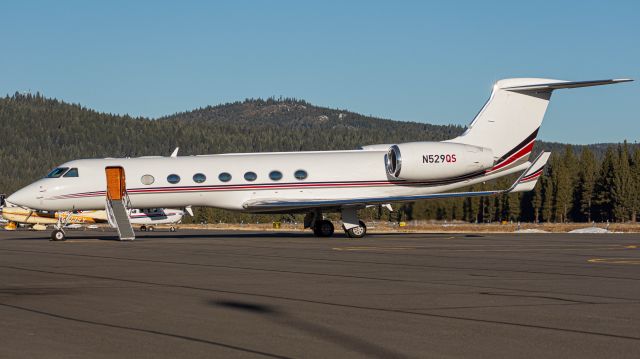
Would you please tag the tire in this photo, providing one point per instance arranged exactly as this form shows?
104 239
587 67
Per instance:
357 232
58 235
143 228
172 229
323 228
150 229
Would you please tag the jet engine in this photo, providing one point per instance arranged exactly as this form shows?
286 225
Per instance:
424 161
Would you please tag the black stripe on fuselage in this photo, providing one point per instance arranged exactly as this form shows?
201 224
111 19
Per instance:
530 138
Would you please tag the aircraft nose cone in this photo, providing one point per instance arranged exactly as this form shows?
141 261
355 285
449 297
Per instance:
23 197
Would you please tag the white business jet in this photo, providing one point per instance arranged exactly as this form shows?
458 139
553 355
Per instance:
497 143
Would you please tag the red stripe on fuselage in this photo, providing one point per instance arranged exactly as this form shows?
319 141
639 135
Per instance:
514 157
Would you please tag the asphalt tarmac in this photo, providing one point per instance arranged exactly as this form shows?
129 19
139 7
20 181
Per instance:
215 294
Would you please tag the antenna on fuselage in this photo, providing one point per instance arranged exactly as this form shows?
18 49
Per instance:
175 152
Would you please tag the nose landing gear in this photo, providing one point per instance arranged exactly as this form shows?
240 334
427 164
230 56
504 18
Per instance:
58 235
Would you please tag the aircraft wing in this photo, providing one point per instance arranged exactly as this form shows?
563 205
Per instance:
525 182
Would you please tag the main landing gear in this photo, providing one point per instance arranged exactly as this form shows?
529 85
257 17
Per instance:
323 228
352 226
357 231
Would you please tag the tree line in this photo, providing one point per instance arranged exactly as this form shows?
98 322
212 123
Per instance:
576 187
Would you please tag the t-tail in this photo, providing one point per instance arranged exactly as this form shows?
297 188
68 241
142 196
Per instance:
509 122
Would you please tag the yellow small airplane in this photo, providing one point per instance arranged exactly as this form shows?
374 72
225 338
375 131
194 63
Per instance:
39 219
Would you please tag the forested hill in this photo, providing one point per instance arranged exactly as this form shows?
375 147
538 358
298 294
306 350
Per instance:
39 133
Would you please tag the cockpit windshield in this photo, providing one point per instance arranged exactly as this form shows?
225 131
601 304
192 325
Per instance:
57 172
71 173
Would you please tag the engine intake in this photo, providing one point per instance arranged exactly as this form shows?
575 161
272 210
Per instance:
421 161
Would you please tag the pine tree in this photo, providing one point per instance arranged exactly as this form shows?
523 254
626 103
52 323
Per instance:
547 198
536 199
585 183
621 191
635 190
603 201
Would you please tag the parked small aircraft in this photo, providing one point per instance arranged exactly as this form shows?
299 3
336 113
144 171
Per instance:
498 142
147 218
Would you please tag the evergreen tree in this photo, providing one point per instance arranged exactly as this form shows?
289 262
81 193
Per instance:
622 189
603 201
585 183
547 198
635 190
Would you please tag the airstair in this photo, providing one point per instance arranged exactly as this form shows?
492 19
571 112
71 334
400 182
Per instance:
118 203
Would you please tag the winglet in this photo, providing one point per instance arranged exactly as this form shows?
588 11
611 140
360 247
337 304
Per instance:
175 152
527 181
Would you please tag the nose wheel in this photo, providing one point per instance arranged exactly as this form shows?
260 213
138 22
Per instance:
58 235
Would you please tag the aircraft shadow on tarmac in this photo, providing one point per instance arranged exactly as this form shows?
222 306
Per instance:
336 337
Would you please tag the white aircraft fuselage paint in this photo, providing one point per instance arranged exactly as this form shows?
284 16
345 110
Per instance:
331 175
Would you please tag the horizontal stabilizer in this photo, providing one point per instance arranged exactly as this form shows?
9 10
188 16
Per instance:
558 84
529 178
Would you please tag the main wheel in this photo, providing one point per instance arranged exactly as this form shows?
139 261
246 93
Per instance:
357 232
150 229
143 228
172 229
58 235
323 228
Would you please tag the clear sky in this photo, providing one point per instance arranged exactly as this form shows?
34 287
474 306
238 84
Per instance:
406 60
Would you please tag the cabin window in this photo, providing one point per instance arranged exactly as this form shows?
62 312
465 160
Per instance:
275 175
199 178
147 179
300 174
71 173
224 177
173 178
57 172
250 176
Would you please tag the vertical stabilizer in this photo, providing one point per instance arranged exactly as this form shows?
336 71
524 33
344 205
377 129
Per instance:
509 122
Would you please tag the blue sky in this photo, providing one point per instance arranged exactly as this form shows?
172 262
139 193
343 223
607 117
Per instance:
406 60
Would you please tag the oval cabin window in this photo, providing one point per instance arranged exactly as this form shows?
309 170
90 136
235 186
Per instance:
199 178
173 178
224 177
275 175
147 180
300 174
250 176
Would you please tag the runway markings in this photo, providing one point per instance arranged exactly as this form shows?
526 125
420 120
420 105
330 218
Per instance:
374 248
615 260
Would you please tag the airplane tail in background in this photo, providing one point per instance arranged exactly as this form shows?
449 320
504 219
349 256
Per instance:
508 123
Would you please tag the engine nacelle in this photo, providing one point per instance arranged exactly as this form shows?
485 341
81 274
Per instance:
423 161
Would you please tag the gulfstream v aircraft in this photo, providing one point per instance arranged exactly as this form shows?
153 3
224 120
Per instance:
498 142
